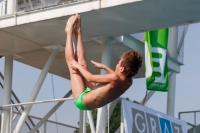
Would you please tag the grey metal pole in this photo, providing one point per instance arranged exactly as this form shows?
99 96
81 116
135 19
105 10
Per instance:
101 114
81 122
84 121
171 94
7 92
122 121
195 128
36 89
45 127
172 78
11 118
92 127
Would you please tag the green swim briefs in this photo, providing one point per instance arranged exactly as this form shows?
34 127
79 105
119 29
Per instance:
79 101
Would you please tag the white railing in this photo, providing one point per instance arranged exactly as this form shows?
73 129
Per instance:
8 7
39 108
2 7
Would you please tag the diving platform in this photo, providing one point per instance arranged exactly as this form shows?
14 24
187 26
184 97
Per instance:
29 29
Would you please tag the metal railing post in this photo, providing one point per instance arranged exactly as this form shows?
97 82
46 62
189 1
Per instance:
45 127
3 8
195 129
0 8
92 127
122 121
11 118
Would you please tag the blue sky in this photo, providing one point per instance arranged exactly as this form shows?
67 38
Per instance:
187 87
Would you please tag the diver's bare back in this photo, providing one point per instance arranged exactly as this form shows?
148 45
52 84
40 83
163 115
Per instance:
104 93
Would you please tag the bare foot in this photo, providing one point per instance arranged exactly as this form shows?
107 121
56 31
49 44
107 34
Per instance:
77 27
70 23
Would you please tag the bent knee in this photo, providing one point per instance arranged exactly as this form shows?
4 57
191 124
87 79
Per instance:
85 66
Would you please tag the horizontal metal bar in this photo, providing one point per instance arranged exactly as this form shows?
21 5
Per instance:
36 102
191 124
53 122
189 111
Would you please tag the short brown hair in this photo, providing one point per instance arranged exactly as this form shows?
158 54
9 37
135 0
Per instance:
131 61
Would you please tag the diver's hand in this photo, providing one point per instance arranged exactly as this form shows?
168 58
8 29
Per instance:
97 65
74 65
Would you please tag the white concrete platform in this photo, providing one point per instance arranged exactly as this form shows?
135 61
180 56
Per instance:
25 34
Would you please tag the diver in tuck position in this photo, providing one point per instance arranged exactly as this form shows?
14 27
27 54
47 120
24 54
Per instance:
87 95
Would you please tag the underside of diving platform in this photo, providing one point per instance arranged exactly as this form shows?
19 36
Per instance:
28 34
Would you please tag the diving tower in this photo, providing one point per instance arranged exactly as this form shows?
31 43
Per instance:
28 29
32 32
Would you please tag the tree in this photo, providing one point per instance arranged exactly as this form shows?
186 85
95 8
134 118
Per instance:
114 122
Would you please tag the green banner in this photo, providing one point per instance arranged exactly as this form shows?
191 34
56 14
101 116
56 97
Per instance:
156 60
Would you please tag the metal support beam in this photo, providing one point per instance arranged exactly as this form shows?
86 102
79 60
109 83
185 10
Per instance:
135 44
36 89
173 42
102 112
90 118
174 65
149 95
7 93
171 94
45 127
11 119
182 39
122 121
131 42
44 119
82 122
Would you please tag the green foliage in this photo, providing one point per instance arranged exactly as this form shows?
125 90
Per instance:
94 115
114 121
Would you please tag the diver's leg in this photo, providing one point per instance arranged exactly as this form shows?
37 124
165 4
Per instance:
77 83
80 50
